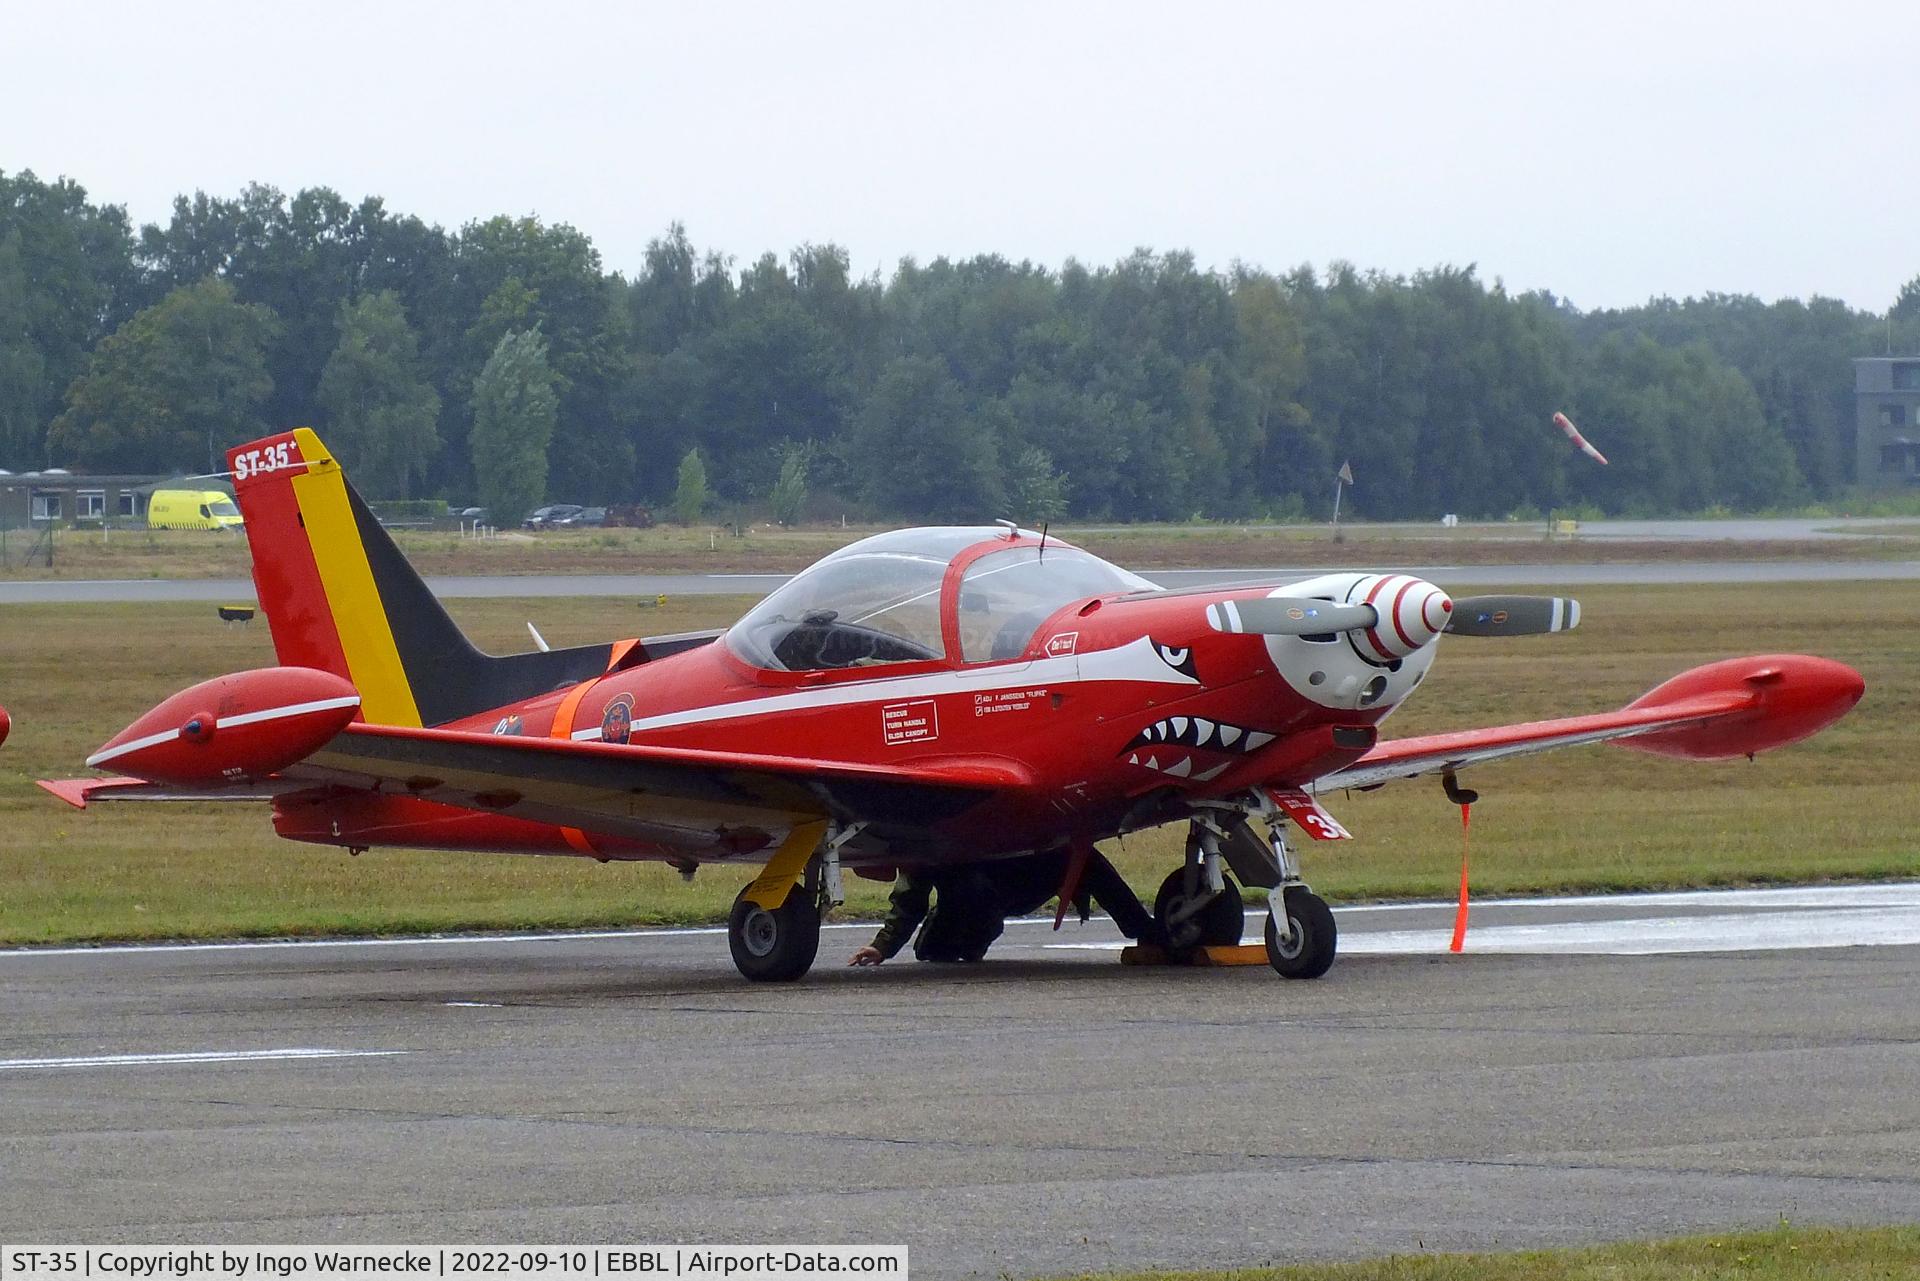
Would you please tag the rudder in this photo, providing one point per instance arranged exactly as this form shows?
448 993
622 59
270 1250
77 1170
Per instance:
339 596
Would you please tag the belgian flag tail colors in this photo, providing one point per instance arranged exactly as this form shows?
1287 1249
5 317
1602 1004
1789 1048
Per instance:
341 598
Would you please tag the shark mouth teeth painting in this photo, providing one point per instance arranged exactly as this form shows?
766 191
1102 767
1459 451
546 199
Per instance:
1159 747
1198 731
1176 765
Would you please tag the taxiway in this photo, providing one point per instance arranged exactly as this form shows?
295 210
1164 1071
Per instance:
1580 1074
637 586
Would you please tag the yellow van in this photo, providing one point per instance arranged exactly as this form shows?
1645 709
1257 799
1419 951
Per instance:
192 509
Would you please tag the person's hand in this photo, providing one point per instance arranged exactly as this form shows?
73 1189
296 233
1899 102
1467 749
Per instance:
868 955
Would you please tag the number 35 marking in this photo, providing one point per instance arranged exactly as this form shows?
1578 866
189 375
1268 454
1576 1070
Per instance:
270 458
1309 814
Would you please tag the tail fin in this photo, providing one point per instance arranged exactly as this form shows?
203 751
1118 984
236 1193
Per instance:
340 597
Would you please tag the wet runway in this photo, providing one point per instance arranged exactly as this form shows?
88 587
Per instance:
1588 1070
240 590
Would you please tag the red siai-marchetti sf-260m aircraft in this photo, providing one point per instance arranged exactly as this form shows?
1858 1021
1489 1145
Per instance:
920 697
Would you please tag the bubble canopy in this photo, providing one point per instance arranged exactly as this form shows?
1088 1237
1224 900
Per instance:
887 599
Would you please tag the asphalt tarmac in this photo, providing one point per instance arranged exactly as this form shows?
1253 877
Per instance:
1046 1112
635 586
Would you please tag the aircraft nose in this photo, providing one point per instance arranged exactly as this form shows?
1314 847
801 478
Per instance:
1412 613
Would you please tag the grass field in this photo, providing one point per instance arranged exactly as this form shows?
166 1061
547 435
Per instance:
1785 1254
764 548
1839 807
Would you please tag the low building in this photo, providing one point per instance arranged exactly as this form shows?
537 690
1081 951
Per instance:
35 500
1886 397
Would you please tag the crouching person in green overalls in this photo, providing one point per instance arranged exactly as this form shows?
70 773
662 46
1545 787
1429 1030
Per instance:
960 911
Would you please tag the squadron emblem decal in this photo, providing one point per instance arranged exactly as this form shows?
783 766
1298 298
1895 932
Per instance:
616 722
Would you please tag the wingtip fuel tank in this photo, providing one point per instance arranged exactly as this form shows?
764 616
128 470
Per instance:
235 728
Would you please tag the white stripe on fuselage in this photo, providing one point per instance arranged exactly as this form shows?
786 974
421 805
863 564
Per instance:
1134 661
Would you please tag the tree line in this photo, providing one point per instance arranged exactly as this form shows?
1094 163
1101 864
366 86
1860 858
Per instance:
502 363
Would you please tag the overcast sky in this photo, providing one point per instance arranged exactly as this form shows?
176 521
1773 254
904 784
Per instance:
1623 151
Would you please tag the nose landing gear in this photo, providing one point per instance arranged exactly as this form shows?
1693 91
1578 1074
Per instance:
1305 950
1301 936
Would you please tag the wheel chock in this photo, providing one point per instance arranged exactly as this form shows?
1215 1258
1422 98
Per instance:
1238 954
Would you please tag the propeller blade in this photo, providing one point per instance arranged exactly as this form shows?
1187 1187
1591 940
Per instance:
1513 615
1288 616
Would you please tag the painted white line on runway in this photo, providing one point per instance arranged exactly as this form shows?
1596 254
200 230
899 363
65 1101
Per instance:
1638 935
191 1058
1898 894
1904 894
410 940
428 940
1661 935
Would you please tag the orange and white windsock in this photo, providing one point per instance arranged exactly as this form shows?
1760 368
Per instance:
1565 424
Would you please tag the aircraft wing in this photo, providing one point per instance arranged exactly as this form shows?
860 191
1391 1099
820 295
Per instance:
635 789
82 792
1735 707
1438 753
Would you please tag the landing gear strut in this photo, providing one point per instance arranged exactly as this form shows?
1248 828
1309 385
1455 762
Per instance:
1301 937
774 928
1203 918
1306 950
1198 904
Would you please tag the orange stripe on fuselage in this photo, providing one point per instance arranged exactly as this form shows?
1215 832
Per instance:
563 728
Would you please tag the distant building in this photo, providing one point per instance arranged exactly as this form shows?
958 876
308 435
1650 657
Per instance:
1886 398
35 500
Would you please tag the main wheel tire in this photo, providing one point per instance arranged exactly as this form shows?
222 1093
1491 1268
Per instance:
775 946
1218 924
1308 951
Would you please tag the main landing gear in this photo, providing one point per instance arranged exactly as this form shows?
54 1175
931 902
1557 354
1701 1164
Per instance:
774 928
774 945
1199 905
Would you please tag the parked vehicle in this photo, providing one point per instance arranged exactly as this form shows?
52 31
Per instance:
551 515
629 516
585 518
192 509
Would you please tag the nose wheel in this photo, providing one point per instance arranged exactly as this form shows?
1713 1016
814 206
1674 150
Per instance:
1306 950
1301 938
